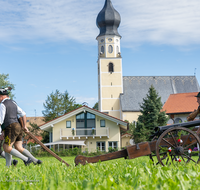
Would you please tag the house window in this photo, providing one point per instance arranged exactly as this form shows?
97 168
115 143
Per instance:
68 124
101 146
85 122
110 68
178 120
102 123
112 144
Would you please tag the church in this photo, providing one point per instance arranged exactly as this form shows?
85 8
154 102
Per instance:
120 96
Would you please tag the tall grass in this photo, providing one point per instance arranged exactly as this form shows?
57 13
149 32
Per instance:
120 174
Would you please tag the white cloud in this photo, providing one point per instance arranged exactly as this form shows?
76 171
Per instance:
90 101
175 22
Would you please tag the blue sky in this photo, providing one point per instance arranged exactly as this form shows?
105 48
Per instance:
47 45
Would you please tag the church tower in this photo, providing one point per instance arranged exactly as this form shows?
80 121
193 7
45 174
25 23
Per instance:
110 83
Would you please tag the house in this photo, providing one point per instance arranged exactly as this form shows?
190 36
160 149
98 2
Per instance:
179 106
85 128
127 140
119 95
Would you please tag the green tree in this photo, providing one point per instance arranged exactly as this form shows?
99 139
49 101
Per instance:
4 82
45 137
37 132
151 116
96 106
58 104
35 129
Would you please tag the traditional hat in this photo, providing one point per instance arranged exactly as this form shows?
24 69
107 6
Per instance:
198 95
5 91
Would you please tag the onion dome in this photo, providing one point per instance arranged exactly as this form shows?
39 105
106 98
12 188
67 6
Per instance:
108 20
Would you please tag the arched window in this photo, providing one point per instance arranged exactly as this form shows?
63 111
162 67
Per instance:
110 67
102 49
117 49
178 120
110 49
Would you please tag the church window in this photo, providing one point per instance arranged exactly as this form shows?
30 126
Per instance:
110 39
117 49
110 49
102 40
102 49
110 67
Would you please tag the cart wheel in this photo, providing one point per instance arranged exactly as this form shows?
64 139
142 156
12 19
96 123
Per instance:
177 145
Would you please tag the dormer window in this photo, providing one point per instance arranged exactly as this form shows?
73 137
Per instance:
110 67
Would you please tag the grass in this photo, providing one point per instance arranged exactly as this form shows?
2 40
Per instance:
121 174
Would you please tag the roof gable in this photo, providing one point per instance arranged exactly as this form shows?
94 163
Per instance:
79 110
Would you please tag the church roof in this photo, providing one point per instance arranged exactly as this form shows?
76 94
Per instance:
135 88
108 20
181 103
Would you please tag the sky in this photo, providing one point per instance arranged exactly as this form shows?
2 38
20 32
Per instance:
47 45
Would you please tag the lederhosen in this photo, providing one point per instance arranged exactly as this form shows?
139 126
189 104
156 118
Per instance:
12 128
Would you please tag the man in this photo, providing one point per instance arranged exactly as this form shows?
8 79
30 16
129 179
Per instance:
12 131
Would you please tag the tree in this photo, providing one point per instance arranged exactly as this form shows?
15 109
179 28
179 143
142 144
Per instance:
151 116
45 137
4 82
36 131
58 104
96 106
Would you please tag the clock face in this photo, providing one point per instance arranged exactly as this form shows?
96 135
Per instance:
102 40
110 39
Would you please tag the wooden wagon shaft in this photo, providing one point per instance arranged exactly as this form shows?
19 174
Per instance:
134 151
42 145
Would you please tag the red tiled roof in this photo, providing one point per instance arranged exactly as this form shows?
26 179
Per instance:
181 103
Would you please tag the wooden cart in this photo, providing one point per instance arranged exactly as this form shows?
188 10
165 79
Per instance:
172 143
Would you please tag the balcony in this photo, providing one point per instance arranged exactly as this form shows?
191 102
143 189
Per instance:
78 133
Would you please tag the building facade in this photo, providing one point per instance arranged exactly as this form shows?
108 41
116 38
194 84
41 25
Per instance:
110 83
85 128
120 96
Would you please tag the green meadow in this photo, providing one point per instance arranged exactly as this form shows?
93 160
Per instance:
120 174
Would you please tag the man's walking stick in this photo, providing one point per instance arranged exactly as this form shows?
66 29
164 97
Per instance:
41 144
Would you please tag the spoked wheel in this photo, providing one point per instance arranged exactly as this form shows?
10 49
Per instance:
177 145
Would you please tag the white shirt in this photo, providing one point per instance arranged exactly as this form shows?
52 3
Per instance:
20 112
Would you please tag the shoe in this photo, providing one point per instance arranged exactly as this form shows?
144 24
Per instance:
15 162
28 161
38 162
